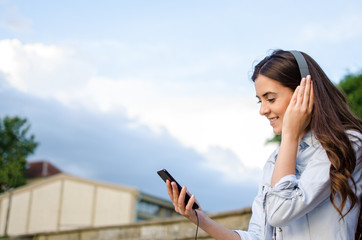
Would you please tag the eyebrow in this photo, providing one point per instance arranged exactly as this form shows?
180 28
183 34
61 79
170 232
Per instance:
265 94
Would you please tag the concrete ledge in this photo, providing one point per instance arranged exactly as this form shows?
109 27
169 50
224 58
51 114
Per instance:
178 228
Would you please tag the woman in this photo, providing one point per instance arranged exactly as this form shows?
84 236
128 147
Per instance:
312 184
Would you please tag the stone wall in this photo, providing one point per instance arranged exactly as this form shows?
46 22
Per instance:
176 228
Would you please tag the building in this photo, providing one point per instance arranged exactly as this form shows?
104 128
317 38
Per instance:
57 201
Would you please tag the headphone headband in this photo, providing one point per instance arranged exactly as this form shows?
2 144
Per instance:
302 63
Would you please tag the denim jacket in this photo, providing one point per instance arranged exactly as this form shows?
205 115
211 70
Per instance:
298 206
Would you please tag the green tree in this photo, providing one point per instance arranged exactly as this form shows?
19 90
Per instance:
275 139
351 85
15 146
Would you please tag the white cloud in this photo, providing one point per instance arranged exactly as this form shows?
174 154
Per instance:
229 164
43 70
201 120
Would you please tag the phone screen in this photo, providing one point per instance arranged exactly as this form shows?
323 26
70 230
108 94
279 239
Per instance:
165 175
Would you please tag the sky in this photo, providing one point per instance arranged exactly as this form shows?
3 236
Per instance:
116 90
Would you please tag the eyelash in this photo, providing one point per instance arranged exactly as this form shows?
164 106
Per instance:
269 100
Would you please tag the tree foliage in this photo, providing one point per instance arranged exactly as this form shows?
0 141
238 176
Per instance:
15 146
351 85
277 138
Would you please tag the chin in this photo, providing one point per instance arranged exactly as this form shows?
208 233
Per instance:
277 131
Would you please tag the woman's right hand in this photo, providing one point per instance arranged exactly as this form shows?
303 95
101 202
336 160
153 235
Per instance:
178 201
214 229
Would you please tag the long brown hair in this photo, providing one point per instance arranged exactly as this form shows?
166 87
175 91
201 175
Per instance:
331 118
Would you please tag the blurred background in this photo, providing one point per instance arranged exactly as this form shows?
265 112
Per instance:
116 90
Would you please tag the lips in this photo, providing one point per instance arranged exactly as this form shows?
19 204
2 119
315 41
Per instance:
272 120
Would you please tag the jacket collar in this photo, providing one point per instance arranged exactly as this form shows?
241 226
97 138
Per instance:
305 142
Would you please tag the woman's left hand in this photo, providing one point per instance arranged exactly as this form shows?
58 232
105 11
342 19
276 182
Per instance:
299 112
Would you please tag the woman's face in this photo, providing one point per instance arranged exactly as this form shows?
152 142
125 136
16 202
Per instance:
274 99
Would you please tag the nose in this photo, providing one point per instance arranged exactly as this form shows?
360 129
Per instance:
264 109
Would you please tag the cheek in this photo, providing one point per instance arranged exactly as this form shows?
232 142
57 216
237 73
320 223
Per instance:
283 107
287 101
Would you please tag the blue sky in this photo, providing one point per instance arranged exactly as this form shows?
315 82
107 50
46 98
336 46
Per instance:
116 90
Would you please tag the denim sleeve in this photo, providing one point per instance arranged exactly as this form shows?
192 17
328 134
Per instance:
292 198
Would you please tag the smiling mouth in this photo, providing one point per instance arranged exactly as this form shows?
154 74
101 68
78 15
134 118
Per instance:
272 120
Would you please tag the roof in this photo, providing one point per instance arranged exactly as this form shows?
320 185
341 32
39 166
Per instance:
64 177
41 169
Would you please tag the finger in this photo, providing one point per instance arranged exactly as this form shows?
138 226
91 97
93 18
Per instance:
181 199
169 189
301 91
295 96
311 97
175 192
306 94
190 203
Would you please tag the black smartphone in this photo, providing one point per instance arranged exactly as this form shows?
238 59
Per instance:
164 174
